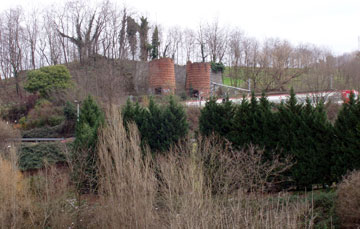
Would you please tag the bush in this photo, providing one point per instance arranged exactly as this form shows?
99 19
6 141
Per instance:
45 132
324 209
43 114
217 67
348 203
160 126
55 120
70 111
85 155
34 156
48 79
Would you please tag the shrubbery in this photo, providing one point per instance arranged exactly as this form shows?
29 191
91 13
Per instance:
35 156
348 203
291 129
159 126
85 151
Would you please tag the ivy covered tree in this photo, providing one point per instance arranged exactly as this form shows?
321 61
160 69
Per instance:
347 134
85 154
48 79
144 44
155 44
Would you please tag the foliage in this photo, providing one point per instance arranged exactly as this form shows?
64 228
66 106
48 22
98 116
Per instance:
48 79
143 33
44 132
216 118
297 131
217 67
348 203
35 156
155 44
159 126
305 133
347 133
70 111
43 114
324 204
85 155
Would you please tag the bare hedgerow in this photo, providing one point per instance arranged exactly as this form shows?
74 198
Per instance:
228 169
348 202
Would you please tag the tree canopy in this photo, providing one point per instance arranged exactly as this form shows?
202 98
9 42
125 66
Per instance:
48 79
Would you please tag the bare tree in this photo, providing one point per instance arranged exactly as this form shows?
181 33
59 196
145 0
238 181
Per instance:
201 40
235 56
88 24
282 67
217 39
13 43
122 35
32 33
189 43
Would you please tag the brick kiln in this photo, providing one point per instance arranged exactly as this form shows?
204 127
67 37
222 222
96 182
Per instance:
198 79
162 76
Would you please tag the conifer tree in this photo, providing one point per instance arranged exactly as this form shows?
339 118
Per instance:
85 155
216 118
175 123
159 127
347 135
240 134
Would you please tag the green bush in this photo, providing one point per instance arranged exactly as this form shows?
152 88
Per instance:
35 156
159 126
48 79
55 120
217 67
325 209
44 132
70 111
85 156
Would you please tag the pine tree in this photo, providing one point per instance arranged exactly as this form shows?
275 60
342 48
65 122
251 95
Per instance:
240 132
85 155
175 124
347 134
159 127
216 118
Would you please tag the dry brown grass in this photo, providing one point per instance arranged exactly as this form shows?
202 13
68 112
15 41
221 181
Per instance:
195 185
13 193
348 202
127 182
6 133
176 190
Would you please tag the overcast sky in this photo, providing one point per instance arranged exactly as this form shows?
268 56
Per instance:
333 24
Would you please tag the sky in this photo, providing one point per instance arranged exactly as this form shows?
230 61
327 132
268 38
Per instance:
331 24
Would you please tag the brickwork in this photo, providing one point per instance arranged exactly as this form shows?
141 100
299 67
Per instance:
198 78
162 75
